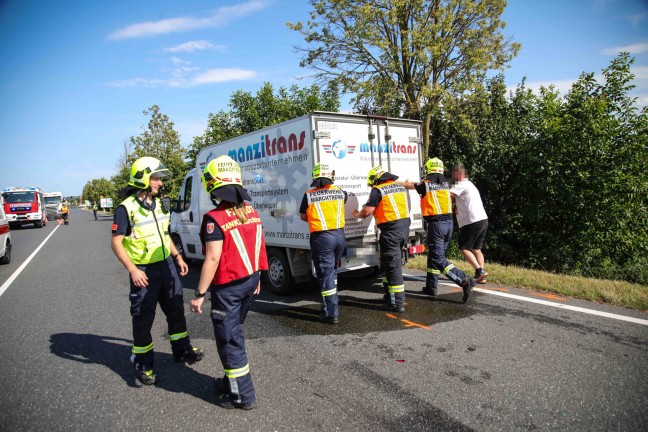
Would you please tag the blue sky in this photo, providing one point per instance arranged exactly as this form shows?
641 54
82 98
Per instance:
75 75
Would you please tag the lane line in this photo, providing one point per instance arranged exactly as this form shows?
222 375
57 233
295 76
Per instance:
15 274
546 303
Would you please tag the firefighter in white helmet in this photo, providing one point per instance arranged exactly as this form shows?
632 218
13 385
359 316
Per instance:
234 247
323 208
142 243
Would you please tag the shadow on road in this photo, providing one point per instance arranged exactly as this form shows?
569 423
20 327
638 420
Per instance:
114 353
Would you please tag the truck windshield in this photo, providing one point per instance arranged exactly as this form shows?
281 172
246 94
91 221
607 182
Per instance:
53 200
18 197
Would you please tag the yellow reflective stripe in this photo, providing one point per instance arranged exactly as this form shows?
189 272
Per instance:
339 213
237 373
142 350
433 271
435 198
396 288
329 292
257 249
447 269
238 241
385 279
178 336
320 215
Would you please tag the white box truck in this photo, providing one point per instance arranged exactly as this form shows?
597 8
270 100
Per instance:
276 165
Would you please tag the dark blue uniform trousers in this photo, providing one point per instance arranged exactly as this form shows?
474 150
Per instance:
164 288
326 250
392 240
439 233
230 305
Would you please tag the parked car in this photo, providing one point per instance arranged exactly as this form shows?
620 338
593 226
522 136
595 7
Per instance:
5 237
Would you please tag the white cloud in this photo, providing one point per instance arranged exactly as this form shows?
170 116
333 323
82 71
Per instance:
195 46
632 49
636 19
223 75
179 78
220 17
642 100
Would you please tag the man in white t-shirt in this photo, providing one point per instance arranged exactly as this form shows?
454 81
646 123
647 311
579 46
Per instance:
472 219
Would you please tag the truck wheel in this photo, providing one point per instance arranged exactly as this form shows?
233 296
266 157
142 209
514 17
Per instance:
6 259
278 278
178 245
39 224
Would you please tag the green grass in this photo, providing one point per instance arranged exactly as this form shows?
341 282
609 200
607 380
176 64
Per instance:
617 293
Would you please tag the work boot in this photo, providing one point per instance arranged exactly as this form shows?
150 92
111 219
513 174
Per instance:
144 373
468 284
391 307
224 401
430 291
190 355
328 319
481 275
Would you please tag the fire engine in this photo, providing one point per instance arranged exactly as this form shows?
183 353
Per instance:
24 206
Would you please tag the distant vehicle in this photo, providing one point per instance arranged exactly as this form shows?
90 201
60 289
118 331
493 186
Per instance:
5 236
24 206
53 201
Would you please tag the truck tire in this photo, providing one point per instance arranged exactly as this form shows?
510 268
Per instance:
39 224
278 279
178 245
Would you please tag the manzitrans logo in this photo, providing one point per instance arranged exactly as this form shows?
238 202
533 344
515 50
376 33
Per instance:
339 149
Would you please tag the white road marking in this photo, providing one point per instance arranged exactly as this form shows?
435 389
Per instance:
15 274
545 303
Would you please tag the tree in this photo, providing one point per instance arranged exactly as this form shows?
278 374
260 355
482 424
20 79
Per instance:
97 188
160 140
408 53
266 108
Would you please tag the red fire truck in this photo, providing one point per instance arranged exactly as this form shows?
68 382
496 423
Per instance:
24 206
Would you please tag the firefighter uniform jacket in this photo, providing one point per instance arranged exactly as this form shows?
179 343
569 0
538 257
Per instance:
325 208
393 205
149 241
244 251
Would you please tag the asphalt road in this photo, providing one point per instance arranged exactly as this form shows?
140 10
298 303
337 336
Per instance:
497 363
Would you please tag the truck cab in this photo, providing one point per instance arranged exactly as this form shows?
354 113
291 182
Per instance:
24 206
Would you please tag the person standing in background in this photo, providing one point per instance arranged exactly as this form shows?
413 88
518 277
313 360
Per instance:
472 219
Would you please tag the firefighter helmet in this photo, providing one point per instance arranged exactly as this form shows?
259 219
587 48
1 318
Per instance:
142 170
220 172
434 165
374 175
323 170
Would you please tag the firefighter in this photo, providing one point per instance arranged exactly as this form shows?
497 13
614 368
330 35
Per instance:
388 203
436 206
323 208
235 254
142 243
65 210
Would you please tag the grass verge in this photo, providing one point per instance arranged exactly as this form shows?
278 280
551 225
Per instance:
617 293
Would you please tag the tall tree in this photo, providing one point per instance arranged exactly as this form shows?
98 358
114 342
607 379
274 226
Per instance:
408 53
97 188
265 108
160 140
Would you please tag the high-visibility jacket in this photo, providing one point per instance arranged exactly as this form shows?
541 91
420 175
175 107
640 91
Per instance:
437 200
244 251
149 241
64 208
325 208
393 205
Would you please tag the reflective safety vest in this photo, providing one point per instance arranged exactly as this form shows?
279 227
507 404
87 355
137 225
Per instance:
244 251
64 208
437 200
393 205
325 208
149 241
